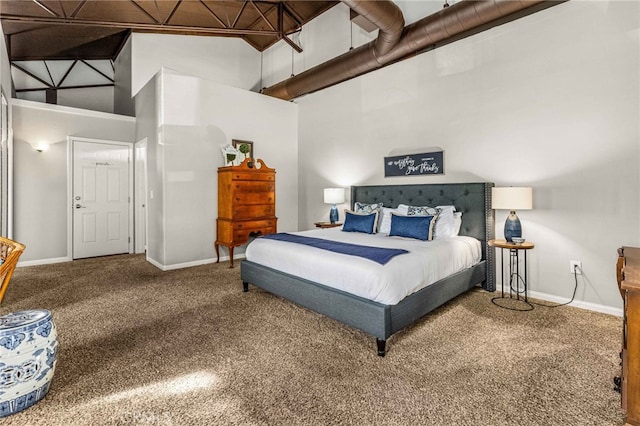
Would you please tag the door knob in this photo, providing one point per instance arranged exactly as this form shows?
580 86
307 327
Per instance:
78 206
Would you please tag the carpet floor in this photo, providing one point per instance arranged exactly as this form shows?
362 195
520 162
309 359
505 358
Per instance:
188 347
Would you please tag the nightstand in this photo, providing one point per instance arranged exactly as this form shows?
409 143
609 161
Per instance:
515 278
327 224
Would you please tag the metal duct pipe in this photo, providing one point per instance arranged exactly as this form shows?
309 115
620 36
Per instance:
437 28
383 14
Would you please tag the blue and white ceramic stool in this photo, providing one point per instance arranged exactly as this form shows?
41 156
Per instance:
28 353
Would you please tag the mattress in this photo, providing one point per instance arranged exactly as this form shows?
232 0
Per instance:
426 263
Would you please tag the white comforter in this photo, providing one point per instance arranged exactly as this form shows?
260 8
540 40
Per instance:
426 262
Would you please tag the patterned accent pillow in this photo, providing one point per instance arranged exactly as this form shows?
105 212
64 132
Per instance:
422 211
359 207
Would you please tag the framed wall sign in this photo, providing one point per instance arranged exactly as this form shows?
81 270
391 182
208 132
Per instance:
428 163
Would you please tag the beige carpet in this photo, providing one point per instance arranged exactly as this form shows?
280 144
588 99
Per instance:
188 347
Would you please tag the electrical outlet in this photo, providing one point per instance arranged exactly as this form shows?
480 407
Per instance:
575 266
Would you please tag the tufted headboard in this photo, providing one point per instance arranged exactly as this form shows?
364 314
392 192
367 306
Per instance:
472 199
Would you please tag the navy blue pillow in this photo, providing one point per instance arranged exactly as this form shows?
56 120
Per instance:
418 227
359 222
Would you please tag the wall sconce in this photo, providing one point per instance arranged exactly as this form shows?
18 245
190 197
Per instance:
512 198
333 196
40 146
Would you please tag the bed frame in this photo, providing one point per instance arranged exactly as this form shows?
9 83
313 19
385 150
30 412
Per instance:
379 320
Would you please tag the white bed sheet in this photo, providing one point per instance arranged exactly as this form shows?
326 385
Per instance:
426 262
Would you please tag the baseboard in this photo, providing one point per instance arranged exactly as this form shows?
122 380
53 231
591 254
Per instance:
43 261
578 303
190 264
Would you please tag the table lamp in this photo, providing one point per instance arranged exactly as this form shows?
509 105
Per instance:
333 196
512 198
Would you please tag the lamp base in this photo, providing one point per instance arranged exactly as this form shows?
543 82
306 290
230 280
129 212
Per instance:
512 227
333 214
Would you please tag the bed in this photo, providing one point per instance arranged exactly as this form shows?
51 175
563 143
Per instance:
382 320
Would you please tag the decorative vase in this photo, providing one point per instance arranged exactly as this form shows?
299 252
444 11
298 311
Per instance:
512 227
28 354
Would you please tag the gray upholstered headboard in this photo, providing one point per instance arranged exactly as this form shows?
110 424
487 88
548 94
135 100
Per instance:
472 199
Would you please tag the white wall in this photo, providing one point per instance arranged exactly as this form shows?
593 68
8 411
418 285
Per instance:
40 187
194 118
549 101
94 98
122 98
147 111
229 61
323 38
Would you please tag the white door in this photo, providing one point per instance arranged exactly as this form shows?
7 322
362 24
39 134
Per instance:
100 199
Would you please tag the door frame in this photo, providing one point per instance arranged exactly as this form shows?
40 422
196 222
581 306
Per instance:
70 168
140 197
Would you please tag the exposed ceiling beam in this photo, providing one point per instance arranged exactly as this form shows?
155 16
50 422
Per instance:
82 86
137 26
32 75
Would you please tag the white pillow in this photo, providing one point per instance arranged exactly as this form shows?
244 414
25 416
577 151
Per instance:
457 217
446 223
385 219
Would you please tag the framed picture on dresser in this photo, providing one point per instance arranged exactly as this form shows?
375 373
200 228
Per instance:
244 147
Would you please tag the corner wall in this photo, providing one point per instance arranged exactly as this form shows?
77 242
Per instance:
549 101
40 187
229 61
194 118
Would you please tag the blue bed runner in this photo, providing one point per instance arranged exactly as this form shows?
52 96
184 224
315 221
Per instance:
377 254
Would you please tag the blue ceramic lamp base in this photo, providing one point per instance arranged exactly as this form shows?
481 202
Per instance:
333 214
512 227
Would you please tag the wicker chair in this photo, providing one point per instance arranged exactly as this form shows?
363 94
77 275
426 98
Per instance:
10 251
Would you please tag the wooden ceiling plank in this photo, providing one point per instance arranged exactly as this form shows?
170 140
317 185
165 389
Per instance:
262 15
166 21
292 13
44 6
62 8
78 9
143 10
212 13
235 21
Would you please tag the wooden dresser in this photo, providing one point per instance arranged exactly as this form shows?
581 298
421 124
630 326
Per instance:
246 204
628 274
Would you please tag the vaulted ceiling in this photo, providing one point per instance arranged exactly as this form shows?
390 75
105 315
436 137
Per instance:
97 29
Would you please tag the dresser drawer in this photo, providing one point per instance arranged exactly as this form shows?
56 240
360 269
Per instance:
243 235
244 198
253 186
242 231
250 211
254 176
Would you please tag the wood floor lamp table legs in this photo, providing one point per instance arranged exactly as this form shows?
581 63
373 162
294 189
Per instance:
517 299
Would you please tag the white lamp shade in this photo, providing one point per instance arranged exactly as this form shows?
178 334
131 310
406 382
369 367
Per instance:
334 195
512 198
